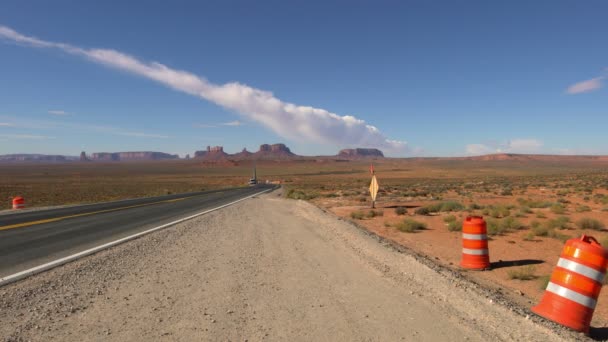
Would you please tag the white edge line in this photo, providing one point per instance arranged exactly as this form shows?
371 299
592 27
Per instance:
45 267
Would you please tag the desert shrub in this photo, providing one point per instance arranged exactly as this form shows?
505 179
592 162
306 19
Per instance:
511 223
493 227
331 195
529 236
525 210
374 213
507 192
299 194
422 211
541 230
561 222
387 224
589 223
401 210
362 199
475 206
522 273
498 211
449 218
558 208
357 215
410 226
557 235
455 226
451 206
582 208
540 215
447 206
534 204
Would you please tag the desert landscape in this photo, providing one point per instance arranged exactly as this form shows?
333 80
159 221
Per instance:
532 204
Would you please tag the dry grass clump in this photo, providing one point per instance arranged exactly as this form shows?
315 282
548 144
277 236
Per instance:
523 273
410 226
401 210
589 223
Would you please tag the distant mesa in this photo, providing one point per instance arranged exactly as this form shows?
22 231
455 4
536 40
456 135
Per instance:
83 156
266 152
35 158
244 154
275 151
212 153
132 156
359 153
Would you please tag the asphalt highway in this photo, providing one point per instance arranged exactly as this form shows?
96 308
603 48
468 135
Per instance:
31 238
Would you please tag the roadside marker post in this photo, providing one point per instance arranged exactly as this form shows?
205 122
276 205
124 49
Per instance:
18 203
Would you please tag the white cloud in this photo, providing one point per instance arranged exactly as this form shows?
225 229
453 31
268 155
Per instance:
479 149
6 124
586 86
524 145
291 121
510 146
58 112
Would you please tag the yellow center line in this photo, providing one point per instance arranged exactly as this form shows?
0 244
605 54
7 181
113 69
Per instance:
32 223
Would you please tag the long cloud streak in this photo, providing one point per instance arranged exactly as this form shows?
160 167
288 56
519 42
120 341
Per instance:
286 119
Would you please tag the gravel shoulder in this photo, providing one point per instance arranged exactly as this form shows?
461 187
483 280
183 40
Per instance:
263 269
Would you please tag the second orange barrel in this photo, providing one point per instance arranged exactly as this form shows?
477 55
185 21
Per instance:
475 252
18 202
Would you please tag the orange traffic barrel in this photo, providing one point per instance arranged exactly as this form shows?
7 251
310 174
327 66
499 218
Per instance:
18 202
475 252
571 295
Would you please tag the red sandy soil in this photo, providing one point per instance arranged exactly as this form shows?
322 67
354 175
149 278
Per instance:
445 247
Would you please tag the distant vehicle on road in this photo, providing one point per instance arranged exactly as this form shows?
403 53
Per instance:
253 180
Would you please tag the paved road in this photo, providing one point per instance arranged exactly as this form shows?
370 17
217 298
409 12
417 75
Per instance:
28 239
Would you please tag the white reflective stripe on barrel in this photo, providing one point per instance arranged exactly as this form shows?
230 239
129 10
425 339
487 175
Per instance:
581 269
474 251
474 236
572 295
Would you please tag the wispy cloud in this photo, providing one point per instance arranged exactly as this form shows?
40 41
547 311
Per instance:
142 135
586 86
6 124
231 124
510 146
58 112
25 137
47 125
289 120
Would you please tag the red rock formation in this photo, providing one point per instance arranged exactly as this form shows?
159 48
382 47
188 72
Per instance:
360 153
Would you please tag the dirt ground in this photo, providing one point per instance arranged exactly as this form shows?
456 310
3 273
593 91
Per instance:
265 269
510 251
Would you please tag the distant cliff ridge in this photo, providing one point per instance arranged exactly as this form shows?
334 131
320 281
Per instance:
132 156
355 153
35 158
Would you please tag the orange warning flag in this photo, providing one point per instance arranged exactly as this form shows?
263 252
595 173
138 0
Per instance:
373 188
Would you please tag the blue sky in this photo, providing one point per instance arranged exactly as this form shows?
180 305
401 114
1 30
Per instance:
431 78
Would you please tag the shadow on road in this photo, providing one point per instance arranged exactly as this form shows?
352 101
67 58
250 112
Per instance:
511 263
